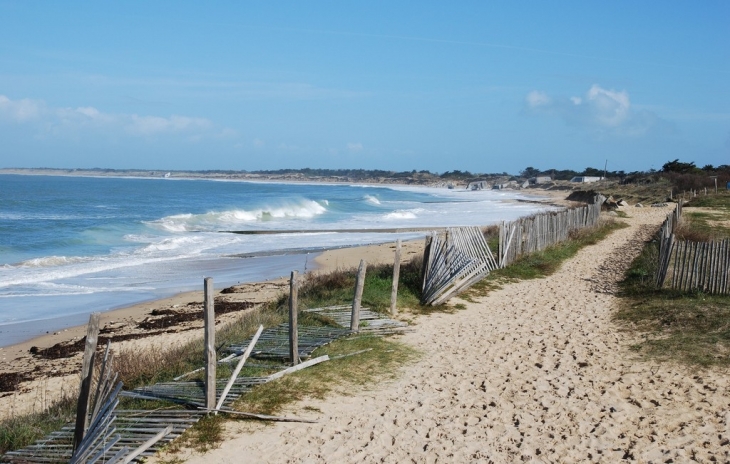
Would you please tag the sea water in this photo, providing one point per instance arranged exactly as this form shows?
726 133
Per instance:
70 246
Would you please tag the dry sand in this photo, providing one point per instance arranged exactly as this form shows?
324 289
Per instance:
535 371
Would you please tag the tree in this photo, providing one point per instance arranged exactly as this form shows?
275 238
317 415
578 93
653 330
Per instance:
593 172
530 172
678 166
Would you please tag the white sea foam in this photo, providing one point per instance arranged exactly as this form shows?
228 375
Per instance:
52 261
396 215
172 253
223 220
371 199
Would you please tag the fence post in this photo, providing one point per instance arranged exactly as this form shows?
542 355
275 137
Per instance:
87 374
396 276
359 284
210 358
293 324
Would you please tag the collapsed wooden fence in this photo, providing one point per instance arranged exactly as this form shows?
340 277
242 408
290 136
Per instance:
454 260
537 232
105 433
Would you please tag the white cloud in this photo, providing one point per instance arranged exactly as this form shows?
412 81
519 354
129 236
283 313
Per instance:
354 147
20 110
604 110
258 143
609 107
55 120
536 99
150 125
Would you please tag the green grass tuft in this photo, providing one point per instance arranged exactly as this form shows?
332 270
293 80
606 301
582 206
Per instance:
383 360
21 431
691 328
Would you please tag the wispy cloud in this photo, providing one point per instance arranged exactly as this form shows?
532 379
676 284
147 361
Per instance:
20 110
605 110
354 147
55 120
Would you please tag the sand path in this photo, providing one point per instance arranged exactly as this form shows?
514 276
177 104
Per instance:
535 371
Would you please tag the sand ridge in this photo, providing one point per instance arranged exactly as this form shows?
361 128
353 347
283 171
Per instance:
535 371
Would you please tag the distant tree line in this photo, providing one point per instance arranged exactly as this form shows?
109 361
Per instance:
681 175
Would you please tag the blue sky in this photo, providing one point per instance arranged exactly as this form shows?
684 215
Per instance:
478 86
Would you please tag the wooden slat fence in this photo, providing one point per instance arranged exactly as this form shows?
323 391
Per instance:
535 233
699 266
686 266
666 242
453 261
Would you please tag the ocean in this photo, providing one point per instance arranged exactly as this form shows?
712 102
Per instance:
70 246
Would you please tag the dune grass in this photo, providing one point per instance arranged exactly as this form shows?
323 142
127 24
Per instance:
22 430
379 358
145 366
546 262
692 328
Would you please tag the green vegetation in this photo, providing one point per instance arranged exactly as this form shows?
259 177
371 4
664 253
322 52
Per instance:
712 223
336 288
546 262
382 360
22 430
690 328
148 366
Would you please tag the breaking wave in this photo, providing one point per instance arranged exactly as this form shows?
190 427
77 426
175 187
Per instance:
222 220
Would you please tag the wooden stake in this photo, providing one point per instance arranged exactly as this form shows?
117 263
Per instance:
396 276
87 373
293 324
238 368
210 358
359 285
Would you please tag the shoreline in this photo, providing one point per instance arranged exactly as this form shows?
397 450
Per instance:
44 379
38 380
20 331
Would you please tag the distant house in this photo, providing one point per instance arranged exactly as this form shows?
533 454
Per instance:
478 185
539 180
586 179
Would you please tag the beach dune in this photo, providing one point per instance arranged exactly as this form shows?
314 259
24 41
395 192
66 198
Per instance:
535 371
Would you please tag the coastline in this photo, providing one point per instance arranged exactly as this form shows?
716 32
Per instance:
275 262
46 379
537 370
38 380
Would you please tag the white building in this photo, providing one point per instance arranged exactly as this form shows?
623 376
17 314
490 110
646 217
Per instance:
586 179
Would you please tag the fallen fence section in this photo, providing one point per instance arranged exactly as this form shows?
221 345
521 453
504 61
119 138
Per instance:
535 233
123 435
112 435
454 260
274 341
370 321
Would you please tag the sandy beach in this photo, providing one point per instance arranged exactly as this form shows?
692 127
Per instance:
535 371
46 379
